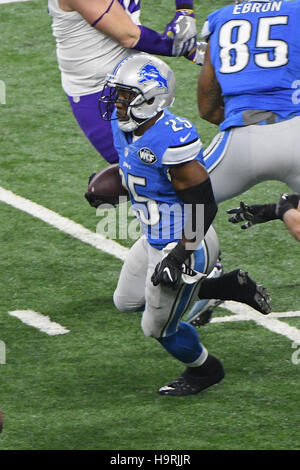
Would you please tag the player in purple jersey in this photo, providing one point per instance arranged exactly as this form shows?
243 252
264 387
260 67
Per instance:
93 36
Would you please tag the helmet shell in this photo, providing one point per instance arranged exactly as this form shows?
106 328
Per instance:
151 78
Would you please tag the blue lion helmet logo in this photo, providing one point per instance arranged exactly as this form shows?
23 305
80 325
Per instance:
150 72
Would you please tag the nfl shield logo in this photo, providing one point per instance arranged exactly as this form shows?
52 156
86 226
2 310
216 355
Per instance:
147 156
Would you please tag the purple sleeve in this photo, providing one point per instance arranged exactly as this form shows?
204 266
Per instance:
184 4
154 43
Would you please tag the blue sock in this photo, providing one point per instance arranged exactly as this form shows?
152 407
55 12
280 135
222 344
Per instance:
184 345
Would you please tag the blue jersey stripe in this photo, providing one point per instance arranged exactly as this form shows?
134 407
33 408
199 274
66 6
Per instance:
199 262
215 152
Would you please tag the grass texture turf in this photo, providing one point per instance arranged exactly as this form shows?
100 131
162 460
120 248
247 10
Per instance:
95 387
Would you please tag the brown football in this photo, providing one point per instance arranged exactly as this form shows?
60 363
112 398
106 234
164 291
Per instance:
107 185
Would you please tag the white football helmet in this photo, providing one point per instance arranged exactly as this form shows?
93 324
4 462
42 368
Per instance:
150 79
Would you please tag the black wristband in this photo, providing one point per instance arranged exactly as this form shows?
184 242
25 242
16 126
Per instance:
283 208
285 203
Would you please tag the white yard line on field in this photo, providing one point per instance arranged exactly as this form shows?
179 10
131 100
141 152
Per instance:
12 1
62 223
241 311
39 321
245 313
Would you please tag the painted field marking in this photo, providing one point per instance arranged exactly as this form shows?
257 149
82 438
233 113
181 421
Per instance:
12 1
39 321
2 353
63 224
241 311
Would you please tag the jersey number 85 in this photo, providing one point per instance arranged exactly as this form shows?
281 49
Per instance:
235 56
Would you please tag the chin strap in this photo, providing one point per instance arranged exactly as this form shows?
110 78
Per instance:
133 123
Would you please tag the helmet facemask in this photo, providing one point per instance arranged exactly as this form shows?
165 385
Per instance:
135 105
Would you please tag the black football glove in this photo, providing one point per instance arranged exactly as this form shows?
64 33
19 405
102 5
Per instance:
169 270
255 214
286 202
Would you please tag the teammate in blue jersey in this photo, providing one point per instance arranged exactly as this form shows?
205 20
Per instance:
93 36
160 158
249 86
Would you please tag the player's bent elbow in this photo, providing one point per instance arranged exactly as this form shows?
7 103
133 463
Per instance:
205 115
128 43
211 116
205 111
130 40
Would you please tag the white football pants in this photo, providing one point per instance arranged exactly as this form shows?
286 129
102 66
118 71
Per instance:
244 156
163 307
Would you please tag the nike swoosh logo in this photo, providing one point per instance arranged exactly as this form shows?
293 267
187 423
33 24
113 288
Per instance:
183 139
167 270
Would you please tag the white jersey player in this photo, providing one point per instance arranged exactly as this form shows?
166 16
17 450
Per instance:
93 36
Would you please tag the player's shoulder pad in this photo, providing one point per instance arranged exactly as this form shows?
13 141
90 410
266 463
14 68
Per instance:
184 142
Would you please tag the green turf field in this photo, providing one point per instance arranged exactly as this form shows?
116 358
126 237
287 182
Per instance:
95 387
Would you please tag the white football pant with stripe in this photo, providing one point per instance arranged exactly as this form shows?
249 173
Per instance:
244 156
163 307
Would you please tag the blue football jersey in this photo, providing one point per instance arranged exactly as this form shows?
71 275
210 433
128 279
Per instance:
144 165
255 51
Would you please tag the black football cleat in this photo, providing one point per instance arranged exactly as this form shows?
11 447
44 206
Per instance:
238 286
210 373
253 294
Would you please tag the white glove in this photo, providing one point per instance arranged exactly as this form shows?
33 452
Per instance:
185 35
197 54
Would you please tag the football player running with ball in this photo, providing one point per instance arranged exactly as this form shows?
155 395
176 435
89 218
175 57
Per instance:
161 164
